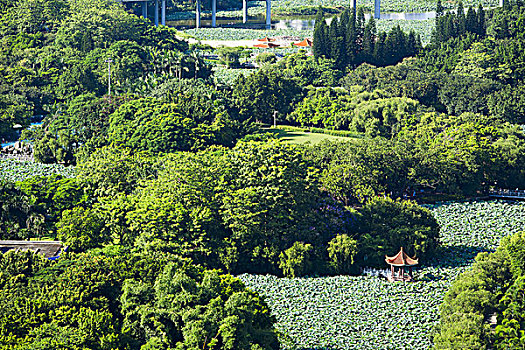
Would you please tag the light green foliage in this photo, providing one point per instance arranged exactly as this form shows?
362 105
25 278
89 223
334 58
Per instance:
493 284
111 299
228 76
341 251
237 208
306 70
375 114
81 229
358 170
111 171
155 126
230 56
194 310
266 58
296 261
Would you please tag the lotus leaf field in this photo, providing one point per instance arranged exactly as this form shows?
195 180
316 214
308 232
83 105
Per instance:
346 312
13 170
295 7
422 27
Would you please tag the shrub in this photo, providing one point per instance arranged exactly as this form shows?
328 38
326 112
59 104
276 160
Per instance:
341 251
296 260
266 58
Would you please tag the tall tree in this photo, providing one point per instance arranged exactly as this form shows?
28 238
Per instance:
333 34
471 22
321 43
360 28
460 19
369 39
351 40
481 28
439 9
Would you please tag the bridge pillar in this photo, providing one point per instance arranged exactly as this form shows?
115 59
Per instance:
377 9
268 14
214 13
157 13
163 17
198 14
244 11
144 9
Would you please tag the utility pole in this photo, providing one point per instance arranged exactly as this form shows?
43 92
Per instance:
109 61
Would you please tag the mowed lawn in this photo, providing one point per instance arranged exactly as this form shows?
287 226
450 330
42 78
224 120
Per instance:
299 137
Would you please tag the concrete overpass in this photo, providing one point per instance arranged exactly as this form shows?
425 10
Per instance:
144 4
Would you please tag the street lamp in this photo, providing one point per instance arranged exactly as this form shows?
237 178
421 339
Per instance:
109 61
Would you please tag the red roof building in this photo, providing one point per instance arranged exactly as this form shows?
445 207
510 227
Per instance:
266 39
401 260
266 45
305 43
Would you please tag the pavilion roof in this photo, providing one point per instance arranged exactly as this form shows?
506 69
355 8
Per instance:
266 39
266 45
401 259
305 43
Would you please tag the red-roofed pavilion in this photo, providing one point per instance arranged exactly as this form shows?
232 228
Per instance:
305 43
266 39
266 45
401 260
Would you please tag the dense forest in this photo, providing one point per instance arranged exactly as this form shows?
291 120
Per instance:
177 186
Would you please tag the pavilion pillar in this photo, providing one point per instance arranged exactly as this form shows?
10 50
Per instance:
214 13
268 14
501 3
198 14
163 17
144 9
244 11
377 9
157 13
353 4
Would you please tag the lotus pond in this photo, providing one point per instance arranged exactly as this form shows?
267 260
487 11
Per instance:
423 28
305 7
346 312
13 170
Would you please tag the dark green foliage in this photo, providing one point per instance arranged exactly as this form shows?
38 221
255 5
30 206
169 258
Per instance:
307 70
508 104
261 94
190 122
352 41
387 225
32 208
322 46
